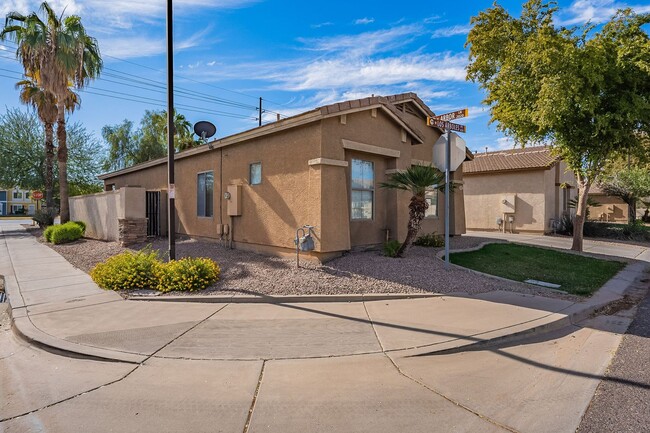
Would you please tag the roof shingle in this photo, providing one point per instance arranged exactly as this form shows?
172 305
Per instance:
514 159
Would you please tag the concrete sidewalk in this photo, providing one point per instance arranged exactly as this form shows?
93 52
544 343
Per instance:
383 365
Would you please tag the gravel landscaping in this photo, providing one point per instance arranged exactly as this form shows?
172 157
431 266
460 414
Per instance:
244 272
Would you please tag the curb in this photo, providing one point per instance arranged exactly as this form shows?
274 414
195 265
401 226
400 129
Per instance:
24 329
285 299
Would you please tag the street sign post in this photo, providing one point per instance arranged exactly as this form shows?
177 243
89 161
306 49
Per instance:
443 122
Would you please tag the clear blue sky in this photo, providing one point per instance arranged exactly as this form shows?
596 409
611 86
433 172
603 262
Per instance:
295 55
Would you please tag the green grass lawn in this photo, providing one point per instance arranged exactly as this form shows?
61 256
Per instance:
575 273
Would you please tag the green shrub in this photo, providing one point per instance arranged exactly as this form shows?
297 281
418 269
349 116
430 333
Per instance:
44 218
430 240
128 271
67 232
82 225
391 248
47 233
189 274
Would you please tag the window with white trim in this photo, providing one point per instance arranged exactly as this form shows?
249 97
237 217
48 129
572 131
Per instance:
18 195
363 189
204 194
255 174
431 196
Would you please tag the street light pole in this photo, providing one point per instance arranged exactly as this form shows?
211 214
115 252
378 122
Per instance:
171 190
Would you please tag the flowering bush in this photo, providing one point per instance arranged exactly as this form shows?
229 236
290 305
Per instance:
187 274
128 271
145 270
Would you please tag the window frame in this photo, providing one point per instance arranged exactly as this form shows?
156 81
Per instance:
198 214
435 192
371 190
250 173
16 193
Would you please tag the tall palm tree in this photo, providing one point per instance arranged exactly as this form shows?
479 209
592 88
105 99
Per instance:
417 179
60 51
45 105
182 129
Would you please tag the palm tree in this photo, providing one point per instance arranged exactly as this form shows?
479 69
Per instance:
417 179
62 54
45 105
182 129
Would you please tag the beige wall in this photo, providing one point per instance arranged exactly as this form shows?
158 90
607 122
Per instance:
101 211
295 191
610 209
484 193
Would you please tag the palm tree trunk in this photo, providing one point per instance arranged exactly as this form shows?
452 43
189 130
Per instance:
49 166
417 208
61 136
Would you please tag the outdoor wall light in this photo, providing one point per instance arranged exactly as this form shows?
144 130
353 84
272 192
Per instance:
226 195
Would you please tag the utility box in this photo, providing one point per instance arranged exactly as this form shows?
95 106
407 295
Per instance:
234 201
508 203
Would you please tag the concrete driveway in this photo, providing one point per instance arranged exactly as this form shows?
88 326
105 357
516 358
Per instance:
500 361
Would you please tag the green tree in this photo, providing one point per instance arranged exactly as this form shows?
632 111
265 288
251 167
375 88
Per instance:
123 145
45 105
586 91
182 129
55 51
22 160
629 185
417 180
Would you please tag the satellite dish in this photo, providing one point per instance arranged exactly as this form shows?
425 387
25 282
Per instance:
204 129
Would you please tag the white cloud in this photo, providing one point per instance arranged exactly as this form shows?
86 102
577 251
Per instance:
143 46
595 11
212 63
319 25
342 71
503 143
450 31
364 43
364 21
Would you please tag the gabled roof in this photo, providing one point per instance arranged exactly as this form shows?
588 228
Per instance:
529 158
385 103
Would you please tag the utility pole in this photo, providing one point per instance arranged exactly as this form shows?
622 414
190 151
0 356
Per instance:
171 190
260 116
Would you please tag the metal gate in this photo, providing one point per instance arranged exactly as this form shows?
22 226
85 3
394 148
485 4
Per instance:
153 213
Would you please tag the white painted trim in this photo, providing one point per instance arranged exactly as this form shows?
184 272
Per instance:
328 161
369 148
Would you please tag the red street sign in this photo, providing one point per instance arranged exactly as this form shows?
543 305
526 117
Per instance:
37 195
453 115
447 126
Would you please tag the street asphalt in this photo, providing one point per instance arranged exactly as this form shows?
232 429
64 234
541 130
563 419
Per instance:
495 362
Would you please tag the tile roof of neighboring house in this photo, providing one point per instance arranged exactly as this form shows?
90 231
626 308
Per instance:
529 158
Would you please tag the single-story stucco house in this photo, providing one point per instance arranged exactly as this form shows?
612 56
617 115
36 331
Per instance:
519 190
321 168
610 209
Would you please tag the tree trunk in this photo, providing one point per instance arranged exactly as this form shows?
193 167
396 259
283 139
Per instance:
61 135
581 211
49 166
631 211
417 208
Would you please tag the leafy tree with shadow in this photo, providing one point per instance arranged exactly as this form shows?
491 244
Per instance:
585 90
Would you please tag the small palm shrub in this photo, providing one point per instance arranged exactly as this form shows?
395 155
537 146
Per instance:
128 271
189 274
63 233
391 248
430 240
44 218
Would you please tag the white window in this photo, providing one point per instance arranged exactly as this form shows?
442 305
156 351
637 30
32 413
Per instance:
18 195
431 196
255 174
204 194
363 189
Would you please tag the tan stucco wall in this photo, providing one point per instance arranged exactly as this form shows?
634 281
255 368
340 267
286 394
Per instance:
484 193
295 192
611 209
101 211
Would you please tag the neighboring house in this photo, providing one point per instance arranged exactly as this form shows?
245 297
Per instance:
321 168
519 190
16 201
610 209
